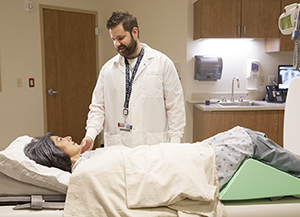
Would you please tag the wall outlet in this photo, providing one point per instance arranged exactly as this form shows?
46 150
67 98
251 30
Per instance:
261 80
271 80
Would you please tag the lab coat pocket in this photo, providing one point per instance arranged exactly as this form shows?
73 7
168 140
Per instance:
112 139
152 86
156 138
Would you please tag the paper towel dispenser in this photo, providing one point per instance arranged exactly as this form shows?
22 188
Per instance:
208 68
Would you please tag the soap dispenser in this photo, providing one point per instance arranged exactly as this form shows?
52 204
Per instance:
253 71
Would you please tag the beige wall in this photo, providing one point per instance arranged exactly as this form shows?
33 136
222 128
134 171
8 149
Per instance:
162 25
165 25
21 109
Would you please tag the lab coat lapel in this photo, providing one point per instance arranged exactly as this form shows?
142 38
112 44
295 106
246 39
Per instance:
120 63
147 59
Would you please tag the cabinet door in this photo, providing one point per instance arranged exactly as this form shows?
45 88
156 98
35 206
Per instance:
217 19
268 122
260 18
286 43
207 124
283 42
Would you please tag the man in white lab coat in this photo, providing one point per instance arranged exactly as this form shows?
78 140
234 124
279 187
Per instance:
138 94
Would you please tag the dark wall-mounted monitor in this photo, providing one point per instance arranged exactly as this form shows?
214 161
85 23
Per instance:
285 74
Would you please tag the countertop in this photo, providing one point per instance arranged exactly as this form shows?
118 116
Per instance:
263 106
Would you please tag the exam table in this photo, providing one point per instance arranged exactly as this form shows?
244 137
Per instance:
40 191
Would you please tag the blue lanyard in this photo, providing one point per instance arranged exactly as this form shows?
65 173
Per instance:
130 81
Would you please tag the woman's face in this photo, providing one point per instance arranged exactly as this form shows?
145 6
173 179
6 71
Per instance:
66 145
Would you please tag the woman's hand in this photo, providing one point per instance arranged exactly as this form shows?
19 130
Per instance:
87 144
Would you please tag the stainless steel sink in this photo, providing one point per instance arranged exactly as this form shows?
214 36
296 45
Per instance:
238 104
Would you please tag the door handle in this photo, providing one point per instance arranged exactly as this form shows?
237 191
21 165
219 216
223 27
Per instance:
51 91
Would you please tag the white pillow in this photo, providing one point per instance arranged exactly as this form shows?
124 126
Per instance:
15 164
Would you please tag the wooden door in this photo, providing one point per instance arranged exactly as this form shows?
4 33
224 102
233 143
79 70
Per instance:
260 18
217 18
70 67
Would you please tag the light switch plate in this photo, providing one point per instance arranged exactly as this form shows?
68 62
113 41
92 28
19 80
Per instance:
31 82
19 82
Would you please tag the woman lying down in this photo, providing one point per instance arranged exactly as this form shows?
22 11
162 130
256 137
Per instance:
226 151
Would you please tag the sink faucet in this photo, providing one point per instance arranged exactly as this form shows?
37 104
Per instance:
232 87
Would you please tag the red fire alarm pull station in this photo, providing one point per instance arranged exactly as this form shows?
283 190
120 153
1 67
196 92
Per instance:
31 82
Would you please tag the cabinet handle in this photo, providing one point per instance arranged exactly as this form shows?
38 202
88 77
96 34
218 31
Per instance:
244 30
238 30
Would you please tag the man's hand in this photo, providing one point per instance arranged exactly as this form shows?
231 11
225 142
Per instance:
87 144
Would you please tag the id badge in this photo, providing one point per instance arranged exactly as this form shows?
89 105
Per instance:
124 127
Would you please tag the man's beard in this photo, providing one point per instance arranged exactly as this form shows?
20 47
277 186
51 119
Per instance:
129 50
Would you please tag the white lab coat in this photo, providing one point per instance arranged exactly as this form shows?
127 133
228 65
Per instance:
156 106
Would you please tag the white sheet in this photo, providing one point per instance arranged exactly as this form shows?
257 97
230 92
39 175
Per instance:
164 180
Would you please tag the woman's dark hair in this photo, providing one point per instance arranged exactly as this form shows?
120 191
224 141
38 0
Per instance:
129 21
43 151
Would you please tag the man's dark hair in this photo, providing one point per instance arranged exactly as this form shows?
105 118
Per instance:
122 17
43 151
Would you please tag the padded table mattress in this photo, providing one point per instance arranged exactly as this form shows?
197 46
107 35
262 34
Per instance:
7 211
288 206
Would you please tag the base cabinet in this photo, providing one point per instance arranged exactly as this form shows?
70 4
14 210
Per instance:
209 123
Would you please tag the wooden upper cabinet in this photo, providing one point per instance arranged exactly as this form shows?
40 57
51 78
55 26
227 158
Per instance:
260 18
236 18
216 18
283 42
